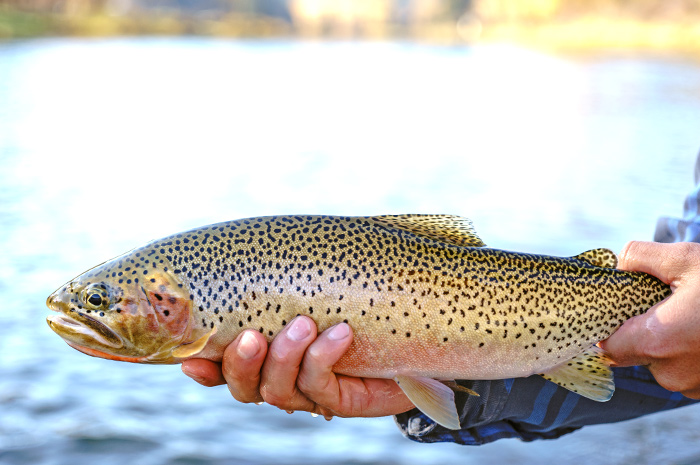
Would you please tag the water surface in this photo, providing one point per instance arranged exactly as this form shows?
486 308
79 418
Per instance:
106 144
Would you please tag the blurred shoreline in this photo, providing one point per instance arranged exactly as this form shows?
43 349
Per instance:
671 27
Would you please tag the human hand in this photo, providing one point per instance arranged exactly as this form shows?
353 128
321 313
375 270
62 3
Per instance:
295 373
667 337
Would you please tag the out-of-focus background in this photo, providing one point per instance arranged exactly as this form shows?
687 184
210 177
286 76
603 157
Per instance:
669 26
556 126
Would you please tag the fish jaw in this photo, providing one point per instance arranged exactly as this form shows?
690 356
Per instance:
78 328
106 355
84 338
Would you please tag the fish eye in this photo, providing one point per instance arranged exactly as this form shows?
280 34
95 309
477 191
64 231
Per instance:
95 296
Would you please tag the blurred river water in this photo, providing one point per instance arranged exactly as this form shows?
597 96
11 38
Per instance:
106 144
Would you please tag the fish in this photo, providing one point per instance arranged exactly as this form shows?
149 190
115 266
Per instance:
427 301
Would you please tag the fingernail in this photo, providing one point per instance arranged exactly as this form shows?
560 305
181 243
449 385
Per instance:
248 346
299 329
339 332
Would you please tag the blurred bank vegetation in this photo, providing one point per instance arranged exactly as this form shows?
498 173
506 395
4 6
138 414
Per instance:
579 25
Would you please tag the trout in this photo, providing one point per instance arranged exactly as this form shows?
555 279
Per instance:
427 301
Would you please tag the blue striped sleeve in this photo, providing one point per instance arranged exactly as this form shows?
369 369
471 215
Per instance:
538 409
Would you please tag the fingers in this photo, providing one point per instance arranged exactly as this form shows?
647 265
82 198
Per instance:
278 385
205 372
242 362
668 262
241 366
316 378
643 256
296 373
625 345
634 342
665 337
344 395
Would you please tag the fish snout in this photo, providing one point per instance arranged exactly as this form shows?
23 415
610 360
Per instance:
58 301
52 302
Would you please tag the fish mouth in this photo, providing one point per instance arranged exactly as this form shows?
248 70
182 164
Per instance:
83 330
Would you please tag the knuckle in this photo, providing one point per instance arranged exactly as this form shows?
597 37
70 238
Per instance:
626 250
681 254
688 256
630 253
228 371
687 250
308 385
275 398
655 341
243 387
279 357
242 397
238 376
652 349
314 382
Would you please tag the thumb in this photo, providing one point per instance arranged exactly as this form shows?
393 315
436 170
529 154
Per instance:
668 262
626 345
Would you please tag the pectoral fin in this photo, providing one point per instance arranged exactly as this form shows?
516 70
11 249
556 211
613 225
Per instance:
588 374
193 348
431 397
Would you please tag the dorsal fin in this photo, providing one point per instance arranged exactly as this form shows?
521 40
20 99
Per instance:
450 229
604 258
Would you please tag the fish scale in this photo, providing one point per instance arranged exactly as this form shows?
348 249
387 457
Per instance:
425 298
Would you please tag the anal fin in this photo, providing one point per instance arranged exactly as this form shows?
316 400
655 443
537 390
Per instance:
193 348
431 397
587 374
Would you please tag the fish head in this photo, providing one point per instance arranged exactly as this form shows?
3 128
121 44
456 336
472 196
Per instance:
113 313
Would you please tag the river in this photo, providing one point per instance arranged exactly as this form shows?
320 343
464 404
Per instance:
106 144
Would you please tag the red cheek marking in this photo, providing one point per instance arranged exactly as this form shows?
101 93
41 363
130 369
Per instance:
173 313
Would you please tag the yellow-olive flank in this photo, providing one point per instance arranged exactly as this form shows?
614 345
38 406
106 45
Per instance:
426 300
